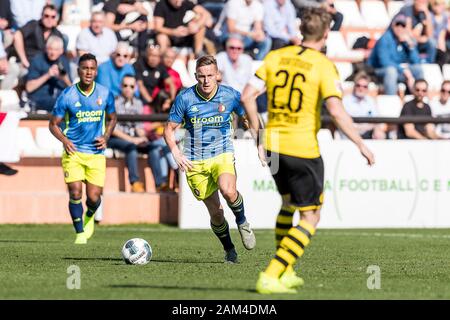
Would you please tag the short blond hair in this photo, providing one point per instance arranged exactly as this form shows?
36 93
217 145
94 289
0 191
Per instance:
206 61
314 23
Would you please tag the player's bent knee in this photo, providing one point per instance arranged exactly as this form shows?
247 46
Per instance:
75 194
312 217
229 193
94 198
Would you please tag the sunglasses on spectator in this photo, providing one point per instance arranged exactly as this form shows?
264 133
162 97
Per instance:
445 91
365 86
49 16
125 85
235 48
421 90
122 55
400 24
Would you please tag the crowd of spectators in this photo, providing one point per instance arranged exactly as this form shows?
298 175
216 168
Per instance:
146 51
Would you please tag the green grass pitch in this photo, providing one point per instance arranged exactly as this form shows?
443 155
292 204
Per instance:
187 264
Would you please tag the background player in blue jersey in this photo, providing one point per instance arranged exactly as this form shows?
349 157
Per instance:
206 111
84 107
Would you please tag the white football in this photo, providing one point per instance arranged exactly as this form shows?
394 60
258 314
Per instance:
136 251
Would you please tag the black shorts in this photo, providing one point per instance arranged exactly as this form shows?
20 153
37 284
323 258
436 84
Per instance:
300 178
182 42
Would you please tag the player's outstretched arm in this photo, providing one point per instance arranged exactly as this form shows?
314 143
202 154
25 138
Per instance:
169 135
56 131
345 123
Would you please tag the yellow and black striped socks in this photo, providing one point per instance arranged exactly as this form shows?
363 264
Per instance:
292 246
284 223
223 233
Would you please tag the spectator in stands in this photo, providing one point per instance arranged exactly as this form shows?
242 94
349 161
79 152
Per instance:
24 11
128 136
234 65
419 23
245 17
337 17
181 24
160 157
215 7
360 104
9 72
97 39
280 23
6 16
150 74
6 22
111 72
417 107
30 39
440 107
168 59
395 57
128 18
48 75
439 18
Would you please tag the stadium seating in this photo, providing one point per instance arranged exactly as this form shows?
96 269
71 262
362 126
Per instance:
71 31
337 48
345 69
432 73
9 100
37 194
389 106
352 15
46 141
394 7
375 14
446 71
352 36
27 145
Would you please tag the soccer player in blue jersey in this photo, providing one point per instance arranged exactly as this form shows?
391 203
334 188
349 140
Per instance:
206 111
87 110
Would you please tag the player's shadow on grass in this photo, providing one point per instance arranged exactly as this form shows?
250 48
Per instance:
92 259
140 286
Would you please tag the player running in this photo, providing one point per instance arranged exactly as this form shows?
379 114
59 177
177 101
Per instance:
298 79
84 108
206 111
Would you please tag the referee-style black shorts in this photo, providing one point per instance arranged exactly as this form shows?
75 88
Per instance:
301 178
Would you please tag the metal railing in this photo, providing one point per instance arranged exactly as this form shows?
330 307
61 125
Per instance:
325 119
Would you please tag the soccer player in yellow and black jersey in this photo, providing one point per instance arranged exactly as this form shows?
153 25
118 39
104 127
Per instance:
298 79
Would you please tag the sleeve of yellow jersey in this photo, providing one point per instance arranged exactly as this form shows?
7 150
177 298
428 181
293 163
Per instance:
330 84
261 72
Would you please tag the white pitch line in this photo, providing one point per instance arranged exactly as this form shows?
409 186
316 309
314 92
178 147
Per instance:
382 234
326 233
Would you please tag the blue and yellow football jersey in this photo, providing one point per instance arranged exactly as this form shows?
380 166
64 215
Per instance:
208 122
84 115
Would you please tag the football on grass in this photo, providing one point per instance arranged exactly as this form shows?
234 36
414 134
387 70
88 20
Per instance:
137 251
